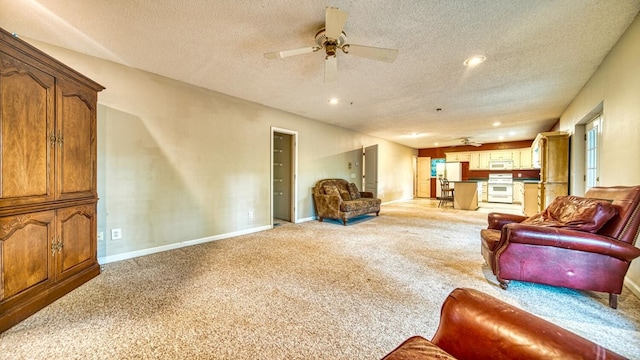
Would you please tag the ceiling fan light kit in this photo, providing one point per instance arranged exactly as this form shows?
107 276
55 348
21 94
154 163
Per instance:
331 38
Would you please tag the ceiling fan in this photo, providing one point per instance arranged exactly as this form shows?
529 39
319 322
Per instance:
331 38
466 141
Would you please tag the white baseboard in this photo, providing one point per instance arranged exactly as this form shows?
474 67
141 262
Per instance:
635 288
311 218
149 251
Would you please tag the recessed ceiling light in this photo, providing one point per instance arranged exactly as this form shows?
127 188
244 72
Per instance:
496 124
333 101
474 60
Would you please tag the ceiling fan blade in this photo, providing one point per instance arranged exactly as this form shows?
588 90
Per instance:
373 53
287 53
330 69
335 19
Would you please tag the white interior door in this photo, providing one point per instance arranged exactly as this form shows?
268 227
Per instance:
592 166
424 177
371 169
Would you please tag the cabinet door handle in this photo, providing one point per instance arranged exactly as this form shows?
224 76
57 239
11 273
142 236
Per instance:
54 246
53 138
60 138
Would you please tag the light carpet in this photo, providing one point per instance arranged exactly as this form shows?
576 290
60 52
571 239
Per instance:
301 291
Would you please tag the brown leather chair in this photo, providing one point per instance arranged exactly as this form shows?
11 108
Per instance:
477 326
563 256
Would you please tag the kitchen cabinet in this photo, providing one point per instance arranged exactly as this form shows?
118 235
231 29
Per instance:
501 155
48 190
526 160
484 160
485 191
474 160
517 192
458 156
479 160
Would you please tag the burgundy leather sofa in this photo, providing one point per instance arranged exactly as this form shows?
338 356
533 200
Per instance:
476 326
583 243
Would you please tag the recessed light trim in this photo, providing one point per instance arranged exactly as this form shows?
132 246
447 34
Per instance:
333 101
474 60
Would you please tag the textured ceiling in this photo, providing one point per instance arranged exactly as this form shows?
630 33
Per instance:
539 55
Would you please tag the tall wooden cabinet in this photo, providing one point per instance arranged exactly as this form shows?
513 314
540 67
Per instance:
47 180
552 148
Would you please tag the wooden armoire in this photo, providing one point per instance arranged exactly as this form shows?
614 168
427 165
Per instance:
47 180
553 152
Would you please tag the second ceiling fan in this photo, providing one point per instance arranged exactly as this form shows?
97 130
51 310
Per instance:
331 38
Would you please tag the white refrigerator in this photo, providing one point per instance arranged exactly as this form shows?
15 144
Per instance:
453 171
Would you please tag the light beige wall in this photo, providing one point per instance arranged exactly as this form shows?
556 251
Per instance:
615 86
180 163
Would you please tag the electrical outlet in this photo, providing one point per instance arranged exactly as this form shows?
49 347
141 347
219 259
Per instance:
100 236
250 214
116 234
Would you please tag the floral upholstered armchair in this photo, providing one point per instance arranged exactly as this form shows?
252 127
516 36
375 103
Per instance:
339 199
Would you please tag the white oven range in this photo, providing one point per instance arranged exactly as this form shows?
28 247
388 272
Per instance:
500 188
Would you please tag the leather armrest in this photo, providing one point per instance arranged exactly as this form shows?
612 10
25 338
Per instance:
569 239
498 220
474 325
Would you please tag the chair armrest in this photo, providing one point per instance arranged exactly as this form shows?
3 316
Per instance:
498 220
366 194
569 239
474 325
327 202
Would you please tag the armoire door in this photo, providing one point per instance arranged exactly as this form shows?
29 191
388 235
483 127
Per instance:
25 254
76 132
76 239
26 133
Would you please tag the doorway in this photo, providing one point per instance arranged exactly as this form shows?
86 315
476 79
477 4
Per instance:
283 175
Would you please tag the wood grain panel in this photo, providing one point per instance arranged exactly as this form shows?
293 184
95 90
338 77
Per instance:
26 256
26 123
75 126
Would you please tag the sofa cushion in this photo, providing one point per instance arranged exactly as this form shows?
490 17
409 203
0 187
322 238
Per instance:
355 205
417 347
331 190
344 194
353 191
576 213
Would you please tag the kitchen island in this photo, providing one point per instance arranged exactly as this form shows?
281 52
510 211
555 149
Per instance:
465 195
